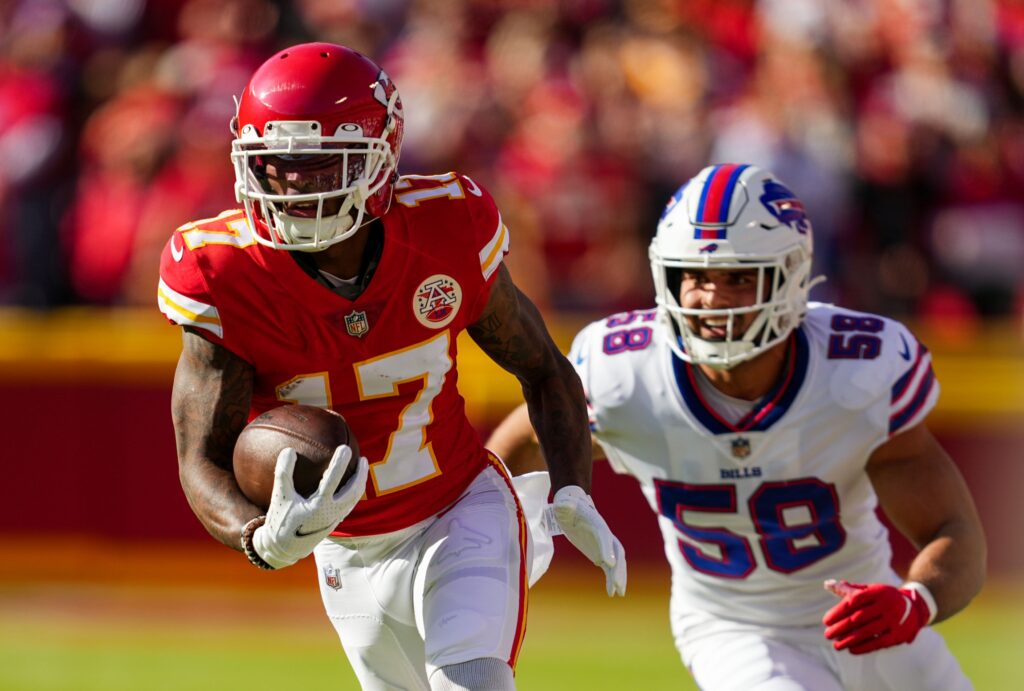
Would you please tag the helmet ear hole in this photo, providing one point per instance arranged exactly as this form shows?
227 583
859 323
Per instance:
673 280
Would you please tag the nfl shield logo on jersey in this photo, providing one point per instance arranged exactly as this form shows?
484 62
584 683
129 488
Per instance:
332 576
357 324
740 447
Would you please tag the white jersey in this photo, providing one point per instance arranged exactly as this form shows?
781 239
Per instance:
756 515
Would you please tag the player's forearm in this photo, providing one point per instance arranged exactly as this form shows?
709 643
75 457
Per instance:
952 567
216 501
209 407
558 412
512 333
515 443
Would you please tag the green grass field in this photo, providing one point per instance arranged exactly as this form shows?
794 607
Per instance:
123 636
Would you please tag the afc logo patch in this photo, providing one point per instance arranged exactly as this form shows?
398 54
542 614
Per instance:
437 301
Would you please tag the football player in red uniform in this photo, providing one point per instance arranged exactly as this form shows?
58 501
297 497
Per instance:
340 284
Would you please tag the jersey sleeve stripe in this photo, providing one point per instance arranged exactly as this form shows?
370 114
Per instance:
905 387
492 254
900 387
914 411
184 310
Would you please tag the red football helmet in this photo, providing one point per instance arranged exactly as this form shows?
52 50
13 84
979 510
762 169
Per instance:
320 107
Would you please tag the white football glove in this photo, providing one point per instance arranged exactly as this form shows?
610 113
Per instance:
295 525
579 521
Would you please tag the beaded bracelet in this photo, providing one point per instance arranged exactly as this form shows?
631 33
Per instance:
250 551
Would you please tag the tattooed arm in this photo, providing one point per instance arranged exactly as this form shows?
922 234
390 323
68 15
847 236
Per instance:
210 406
512 333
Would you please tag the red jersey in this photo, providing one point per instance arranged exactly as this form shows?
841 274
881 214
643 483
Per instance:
385 360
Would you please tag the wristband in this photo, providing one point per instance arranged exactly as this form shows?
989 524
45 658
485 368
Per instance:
926 595
250 551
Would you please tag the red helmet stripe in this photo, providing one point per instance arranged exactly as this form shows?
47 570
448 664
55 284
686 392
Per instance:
717 193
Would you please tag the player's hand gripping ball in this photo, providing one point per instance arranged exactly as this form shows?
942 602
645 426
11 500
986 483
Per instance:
313 432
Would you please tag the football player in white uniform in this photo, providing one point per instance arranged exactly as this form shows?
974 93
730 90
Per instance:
765 431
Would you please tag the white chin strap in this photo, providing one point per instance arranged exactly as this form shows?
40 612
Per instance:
312 234
304 234
719 354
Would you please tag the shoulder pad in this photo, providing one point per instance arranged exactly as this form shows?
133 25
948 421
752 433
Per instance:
183 294
467 201
874 358
604 354
230 228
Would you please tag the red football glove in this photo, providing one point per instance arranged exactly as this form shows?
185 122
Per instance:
875 616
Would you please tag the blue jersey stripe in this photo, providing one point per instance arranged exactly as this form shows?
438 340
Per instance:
901 384
897 421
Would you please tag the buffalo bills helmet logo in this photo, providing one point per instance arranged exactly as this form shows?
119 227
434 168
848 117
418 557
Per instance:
783 205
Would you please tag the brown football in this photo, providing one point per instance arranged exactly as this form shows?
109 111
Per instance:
313 432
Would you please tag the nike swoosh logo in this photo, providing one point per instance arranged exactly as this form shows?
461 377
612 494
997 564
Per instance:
176 252
472 187
905 351
906 612
299 532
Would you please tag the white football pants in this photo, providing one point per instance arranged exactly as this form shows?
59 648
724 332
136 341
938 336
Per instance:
447 590
748 660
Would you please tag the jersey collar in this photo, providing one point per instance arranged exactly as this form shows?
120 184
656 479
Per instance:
768 410
371 258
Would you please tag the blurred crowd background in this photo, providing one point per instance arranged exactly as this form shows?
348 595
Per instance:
900 123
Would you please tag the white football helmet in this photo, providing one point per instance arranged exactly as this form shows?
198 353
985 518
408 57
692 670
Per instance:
733 216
